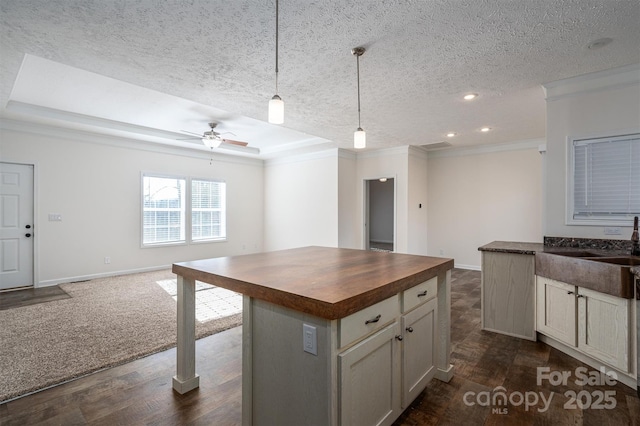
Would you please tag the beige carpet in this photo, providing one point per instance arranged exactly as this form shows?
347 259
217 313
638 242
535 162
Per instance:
106 322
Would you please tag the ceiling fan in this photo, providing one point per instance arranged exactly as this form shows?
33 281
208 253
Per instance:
213 139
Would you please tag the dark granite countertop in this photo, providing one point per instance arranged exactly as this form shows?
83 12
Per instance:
512 247
517 247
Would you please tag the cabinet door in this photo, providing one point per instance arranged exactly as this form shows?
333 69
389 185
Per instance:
419 350
556 310
370 380
508 294
603 327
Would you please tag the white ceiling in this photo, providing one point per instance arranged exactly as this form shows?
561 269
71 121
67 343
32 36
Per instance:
150 69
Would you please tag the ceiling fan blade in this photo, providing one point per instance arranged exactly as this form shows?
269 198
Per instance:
232 142
191 133
189 139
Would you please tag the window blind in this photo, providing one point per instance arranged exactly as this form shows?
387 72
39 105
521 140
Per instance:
208 210
606 178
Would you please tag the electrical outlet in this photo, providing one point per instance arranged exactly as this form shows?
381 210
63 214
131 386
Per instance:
55 217
441 252
107 260
309 339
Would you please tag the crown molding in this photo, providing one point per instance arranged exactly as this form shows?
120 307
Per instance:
120 142
487 149
620 77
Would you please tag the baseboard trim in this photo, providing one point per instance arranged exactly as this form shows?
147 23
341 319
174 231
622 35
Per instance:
469 267
49 283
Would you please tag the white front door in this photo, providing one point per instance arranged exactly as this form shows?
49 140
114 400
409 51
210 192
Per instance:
16 225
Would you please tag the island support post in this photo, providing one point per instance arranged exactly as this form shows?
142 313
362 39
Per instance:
186 378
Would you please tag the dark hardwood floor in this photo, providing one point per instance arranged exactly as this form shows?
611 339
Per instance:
30 296
140 392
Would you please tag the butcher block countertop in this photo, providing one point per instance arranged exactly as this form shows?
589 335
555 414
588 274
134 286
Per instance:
330 283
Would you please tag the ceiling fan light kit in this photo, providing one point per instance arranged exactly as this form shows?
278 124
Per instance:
359 136
276 104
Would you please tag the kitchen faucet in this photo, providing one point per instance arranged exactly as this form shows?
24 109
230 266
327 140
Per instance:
635 239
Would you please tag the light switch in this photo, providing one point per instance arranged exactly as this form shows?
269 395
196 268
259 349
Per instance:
309 339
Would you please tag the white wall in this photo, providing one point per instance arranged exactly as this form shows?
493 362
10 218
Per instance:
96 187
477 197
417 202
593 105
301 201
347 200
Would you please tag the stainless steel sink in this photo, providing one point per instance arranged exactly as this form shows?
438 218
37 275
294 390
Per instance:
620 260
576 253
606 274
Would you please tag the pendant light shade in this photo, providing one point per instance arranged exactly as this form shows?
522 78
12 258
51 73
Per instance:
359 139
276 110
276 104
359 136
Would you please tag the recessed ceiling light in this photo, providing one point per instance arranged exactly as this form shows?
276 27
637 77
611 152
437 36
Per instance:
451 134
470 96
485 129
601 42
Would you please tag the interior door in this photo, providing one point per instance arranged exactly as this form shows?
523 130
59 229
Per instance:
379 214
16 225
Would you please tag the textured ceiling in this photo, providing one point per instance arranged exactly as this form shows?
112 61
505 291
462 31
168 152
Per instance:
422 56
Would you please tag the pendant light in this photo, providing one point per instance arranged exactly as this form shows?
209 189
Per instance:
359 136
276 104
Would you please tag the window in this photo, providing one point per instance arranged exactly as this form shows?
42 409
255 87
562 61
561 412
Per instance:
605 180
167 203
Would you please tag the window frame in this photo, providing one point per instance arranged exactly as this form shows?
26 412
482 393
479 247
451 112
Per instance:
187 214
570 218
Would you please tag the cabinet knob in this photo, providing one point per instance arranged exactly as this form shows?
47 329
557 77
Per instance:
422 294
376 319
399 337
409 329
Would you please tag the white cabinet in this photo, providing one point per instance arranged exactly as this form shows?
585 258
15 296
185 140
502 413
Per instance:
383 373
419 350
508 294
370 380
556 310
603 327
595 323
368 366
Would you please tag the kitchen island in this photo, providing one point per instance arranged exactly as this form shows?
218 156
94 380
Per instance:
330 336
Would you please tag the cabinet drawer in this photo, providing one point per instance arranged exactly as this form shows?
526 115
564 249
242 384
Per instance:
363 322
419 294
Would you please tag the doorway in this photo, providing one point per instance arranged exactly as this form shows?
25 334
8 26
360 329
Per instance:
379 220
16 225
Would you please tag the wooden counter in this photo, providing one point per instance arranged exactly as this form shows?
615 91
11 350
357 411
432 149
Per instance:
326 282
327 289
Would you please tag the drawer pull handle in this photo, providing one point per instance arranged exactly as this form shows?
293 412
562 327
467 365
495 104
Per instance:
376 319
424 293
399 337
409 329
570 292
582 295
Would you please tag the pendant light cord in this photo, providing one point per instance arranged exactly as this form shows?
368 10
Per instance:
277 13
358 71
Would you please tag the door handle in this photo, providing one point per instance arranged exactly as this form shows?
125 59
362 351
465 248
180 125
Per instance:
27 235
28 226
